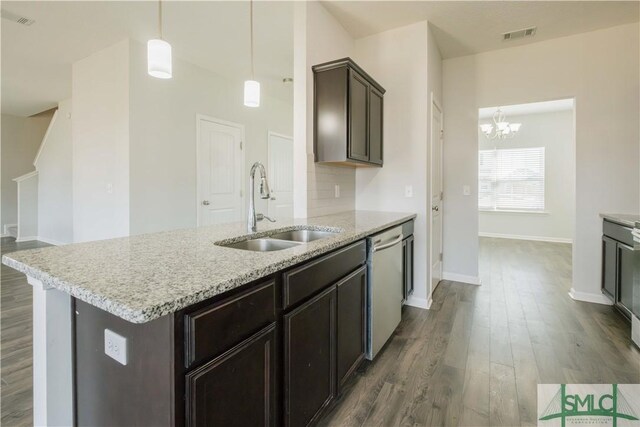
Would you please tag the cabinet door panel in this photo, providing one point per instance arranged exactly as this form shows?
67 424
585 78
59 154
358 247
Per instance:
375 126
358 127
238 388
409 266
309 358
351 323
625 276
609 267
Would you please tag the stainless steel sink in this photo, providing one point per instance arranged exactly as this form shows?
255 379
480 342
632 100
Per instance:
302 235
262 245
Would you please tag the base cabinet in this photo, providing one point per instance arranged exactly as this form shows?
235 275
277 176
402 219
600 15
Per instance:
237 388
617 266
309 359
407 268
351 333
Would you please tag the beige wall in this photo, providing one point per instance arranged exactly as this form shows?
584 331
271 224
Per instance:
318 38
21 138
600 69
55 181
100 137
163 137
403 73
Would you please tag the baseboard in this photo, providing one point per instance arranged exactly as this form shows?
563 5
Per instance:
589 297
533 238
50 241
454 277
26 239
418 302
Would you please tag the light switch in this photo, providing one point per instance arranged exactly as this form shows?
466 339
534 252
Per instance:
115 346
109 188
466 190
336 190
408 191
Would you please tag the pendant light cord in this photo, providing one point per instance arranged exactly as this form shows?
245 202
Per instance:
160 18
251 23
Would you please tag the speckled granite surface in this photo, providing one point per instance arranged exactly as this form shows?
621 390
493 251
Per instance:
622 219
144 277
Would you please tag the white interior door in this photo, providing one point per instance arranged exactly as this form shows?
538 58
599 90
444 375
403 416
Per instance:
280 171
220 171
436 195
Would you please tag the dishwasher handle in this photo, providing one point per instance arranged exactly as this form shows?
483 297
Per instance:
394 242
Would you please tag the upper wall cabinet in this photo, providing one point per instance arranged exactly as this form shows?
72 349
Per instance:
348 115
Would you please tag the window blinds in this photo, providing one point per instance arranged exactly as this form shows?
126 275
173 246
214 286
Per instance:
511 179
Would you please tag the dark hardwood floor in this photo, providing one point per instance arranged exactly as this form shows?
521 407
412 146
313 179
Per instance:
16 408
476 357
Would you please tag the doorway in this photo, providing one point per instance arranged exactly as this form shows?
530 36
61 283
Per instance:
526 187
220 165
280 171
436 213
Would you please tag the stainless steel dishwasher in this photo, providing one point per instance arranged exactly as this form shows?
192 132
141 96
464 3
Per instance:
384 288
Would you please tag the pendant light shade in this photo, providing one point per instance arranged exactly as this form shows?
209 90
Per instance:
159 53
252 93
159 59
251 87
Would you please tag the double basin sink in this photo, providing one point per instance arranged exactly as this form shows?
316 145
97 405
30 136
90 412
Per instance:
280 240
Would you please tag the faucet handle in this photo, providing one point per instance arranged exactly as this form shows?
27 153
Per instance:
260 217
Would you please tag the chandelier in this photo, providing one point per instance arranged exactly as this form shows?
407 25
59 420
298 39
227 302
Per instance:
501 129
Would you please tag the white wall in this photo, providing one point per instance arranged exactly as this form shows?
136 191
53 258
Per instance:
55 180
553 131
600 69
318 38
21 137
100 135
403 73
163 137
27 207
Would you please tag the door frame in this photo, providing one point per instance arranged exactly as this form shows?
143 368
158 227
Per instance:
280 135
240 126
435 102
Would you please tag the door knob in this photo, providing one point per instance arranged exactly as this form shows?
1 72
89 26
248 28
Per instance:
205 202
435 208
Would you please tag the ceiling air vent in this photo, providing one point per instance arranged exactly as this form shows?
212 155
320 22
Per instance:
16 18
518 34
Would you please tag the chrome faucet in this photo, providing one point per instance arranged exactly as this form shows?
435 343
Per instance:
265 193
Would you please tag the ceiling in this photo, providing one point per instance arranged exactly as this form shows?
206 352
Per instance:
530 108
467 27
36 59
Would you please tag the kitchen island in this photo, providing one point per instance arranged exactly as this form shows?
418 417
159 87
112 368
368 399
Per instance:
192 310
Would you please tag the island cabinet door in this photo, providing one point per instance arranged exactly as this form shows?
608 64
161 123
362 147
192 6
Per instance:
237 388
309 359
351 323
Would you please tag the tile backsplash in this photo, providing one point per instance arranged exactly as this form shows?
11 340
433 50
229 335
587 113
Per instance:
321 182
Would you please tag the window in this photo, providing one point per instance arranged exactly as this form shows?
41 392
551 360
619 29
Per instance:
511 179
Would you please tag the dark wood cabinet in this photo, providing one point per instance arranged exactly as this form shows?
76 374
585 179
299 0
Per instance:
617 266
237 388
625 277
348 115
609 249
309 358
407 271
351 333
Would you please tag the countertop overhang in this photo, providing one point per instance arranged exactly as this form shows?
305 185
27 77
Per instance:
141 278
627 220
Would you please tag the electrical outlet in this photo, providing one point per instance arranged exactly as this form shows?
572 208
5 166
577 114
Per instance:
466 190
408 191
115 346
109 188
336 190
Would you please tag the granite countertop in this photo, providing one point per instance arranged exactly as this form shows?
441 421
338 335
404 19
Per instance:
627 220
141 278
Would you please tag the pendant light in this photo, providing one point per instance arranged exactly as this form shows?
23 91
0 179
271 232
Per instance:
251 87
159 53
